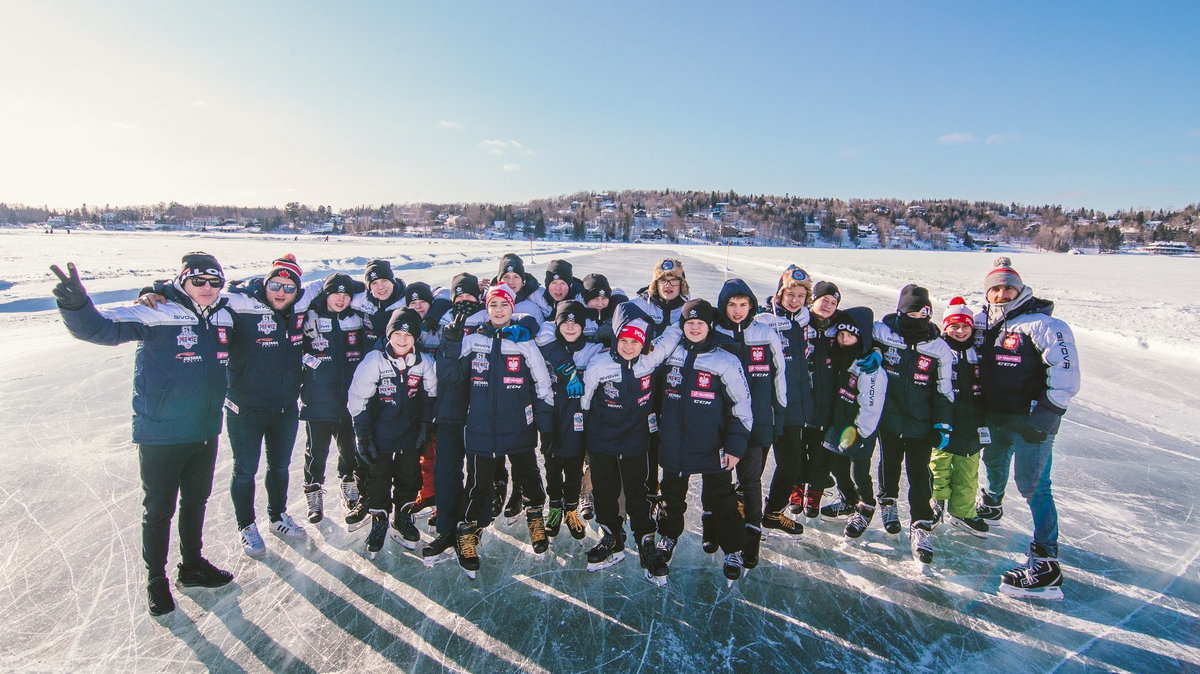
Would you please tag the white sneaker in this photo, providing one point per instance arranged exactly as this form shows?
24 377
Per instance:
252 542
287 527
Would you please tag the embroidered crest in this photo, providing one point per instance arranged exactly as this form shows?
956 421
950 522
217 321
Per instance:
704 380
923 363
646 383
187 338
610 390
352 338
387 387
320 343
892 356
758 354
267 325
1011 341
675 377
480 362
513 363
223 335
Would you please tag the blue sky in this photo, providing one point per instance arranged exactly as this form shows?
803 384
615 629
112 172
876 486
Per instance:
256 103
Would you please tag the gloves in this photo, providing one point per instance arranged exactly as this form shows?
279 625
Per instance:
574 383
516 333
367 451
849 437
423 436
69 292
1043 421
429 325
870 362
943 431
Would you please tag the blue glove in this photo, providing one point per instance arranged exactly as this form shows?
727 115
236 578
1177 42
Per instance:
943 431
516 333
870 362
574 385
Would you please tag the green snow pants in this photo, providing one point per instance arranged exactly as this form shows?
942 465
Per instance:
955 480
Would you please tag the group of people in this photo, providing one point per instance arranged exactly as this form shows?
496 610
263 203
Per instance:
439 397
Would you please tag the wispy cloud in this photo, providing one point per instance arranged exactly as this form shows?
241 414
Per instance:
449 125
500 146
1002 138
956 138
511 167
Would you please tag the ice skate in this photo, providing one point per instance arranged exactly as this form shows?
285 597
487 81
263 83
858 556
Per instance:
859 520
939 511
976 526
252 541
286 527
350 495
1040 577
554 518
357 518
654 568
732 568
836 510
513 509
889 515
537 530
779 525
751 546
315 495
920 539
423 508
403 530
666 547
465 548
812 502
989 508
607 552
708 539
440 549
587 505
378 533
796 500
499 489
575 525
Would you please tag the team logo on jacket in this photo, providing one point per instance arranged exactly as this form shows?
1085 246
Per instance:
513 363
923 363
704 380
758 354
352 338
646 383
387 387
1011 341
480 362
892 356
610 390
267 325
674 377
187 338
299 321
414 385
320 343
223 335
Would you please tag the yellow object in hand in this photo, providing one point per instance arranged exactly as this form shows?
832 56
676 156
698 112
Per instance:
849 437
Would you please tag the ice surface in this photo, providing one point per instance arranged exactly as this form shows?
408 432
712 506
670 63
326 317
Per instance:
1125 469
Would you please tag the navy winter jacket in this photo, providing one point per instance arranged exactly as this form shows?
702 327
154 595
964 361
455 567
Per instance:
919 392
265 351
333 347
791 329
390 397
758 348
568 414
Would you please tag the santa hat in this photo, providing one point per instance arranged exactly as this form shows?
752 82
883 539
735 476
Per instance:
957 312
285 267
503 291
1003 275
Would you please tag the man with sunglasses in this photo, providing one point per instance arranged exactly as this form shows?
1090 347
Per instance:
179 385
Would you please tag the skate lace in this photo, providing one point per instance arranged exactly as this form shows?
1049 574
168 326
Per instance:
378 528
922 539
890 514
733 559
666 544
537 529
350 489
316 500
554 518
466 543
858 521
574 521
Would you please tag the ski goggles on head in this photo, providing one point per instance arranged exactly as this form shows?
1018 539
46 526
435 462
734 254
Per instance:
666 265
796 273
285 288
211 282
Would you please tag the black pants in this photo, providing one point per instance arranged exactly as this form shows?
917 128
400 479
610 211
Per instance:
564 476
612 476
653 485
914 453
749 475
814 460
716 497
171 473
480 470
316 449
448 477
789 450
853 478
393 480
249 430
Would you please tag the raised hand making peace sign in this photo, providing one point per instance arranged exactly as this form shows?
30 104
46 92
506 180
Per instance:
69 292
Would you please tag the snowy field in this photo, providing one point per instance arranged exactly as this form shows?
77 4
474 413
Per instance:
1126 465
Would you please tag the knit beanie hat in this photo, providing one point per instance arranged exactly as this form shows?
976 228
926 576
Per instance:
559 270
464 283
635 329
914 298
957 312
406 320
418 291
200 264
338 283
697 309
596 285
511 262
672 268
501 290
569 311
285 267
1003 275
379 269
823 288
793 277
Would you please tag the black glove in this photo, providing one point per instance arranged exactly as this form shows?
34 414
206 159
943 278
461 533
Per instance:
69 292
1043 421
430 325
367 451
423 436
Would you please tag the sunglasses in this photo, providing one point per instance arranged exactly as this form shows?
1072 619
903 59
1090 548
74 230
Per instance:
210 282
798 274
277 286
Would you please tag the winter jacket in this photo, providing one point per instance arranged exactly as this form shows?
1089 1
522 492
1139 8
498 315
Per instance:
376 313
525 302
264 352
859 397
333 347
1028 361
791 329
705 408
819 338
919 392
508 391
451 405
970 431
760 351
179 371
619 399
390 397
661 313
568 415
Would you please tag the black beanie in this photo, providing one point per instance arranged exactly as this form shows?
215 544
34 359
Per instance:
511 262
338 283
464 283
823 288
200 264
569 310
418 291
914 298
697 309
559 269
596 285
407 320
379 269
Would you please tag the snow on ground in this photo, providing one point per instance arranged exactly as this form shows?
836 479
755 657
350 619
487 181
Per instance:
1125 469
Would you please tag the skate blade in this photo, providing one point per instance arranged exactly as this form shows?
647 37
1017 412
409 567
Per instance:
433 561
660 581
372 554
776 533
423 514
967 528
611 561
729 583
359 525
395 536
510 521
1052 592
470 573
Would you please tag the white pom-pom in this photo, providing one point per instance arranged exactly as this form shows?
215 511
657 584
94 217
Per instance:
1002 261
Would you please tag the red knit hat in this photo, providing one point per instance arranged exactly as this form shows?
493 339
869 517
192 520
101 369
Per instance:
285 267
501 290
957 312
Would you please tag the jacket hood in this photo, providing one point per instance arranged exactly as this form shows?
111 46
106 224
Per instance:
863 320
732 288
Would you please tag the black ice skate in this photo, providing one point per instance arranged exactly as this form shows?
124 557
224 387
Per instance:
975 526
440 549
989 508
466 548
920 539
890 515
859 520
315 495
537 530
732 568
654 567
708 539
780 525
607 552
1040 577
378 533
403 530
751 546
837 510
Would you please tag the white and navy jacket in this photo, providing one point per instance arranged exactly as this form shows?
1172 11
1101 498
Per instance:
760 351
792 329
920 388
859 397
391 396
334 344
